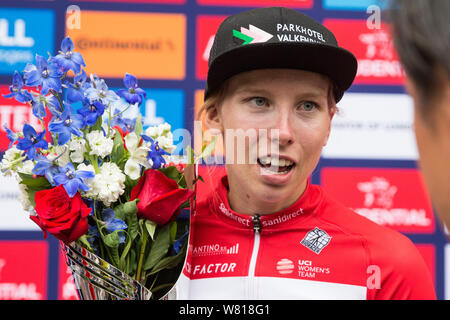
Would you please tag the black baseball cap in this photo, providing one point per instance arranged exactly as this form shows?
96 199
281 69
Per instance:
277 37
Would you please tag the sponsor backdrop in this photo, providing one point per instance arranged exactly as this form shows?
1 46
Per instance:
369 163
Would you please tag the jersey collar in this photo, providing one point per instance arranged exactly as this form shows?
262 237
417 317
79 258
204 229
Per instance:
306 205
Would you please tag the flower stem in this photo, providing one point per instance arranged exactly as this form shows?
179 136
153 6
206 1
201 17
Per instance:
141 255
109 119
102 252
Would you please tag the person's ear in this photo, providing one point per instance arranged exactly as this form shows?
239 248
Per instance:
213 119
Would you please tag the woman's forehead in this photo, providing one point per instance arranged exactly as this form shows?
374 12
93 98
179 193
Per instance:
269 79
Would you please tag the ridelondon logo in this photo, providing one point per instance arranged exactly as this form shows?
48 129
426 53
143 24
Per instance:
252 35
316 240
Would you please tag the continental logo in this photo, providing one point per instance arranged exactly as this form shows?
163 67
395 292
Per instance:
147 45
118 44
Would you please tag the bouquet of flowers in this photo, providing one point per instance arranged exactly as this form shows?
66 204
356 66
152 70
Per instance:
91 176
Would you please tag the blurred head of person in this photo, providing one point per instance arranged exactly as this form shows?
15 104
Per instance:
421 32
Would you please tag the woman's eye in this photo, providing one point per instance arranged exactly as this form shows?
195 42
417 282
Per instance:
259 101
308 106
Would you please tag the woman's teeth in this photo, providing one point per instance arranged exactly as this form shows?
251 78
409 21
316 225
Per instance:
275 165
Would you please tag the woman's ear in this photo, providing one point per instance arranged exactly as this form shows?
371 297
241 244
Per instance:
213 119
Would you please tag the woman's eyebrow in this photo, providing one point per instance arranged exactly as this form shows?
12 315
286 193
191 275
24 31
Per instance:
252 90
307 93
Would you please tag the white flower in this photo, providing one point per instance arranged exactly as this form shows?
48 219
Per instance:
162 135
78 148
12 161
112 184
156 131
138 156
107 185
100 145
26 167
166 142
23 198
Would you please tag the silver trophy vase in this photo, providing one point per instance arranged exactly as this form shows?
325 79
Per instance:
96 279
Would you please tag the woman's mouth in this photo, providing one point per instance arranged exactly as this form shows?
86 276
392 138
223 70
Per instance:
275 165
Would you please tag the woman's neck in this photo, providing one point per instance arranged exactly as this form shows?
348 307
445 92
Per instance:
242 201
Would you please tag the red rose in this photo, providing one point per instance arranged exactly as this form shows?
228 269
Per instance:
159 197
60 215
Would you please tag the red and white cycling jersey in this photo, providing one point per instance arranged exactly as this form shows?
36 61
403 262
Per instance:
315 249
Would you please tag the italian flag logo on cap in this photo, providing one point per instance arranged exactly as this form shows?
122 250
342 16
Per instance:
252 35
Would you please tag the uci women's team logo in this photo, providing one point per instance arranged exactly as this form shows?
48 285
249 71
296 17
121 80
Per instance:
252 35
316 240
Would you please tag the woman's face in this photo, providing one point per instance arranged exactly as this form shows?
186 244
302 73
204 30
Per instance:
284 118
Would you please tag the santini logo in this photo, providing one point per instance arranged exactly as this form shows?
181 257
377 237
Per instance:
252 35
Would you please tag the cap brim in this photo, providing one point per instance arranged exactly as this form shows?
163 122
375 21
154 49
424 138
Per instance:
337 63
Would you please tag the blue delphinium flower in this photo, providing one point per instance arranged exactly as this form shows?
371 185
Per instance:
75 90
112 224
54 105
11 135
99 91
126 124
21 95
43 74
91 112
72 179
68 123
178 244
92 235
67 59
47 168
132 94
38 108
31 141
156 155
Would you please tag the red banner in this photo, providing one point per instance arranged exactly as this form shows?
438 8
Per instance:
23 270
395 198
377 60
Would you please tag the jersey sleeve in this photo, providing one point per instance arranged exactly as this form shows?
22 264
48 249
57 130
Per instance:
398 271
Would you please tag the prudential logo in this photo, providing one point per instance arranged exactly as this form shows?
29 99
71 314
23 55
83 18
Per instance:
24 33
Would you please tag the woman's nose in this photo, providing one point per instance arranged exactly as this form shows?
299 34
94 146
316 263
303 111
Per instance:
283 129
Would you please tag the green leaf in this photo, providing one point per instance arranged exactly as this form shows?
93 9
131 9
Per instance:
38 183
115 256
171 172
173 231
151 228
159 248
97 125
128 212
86 244
169 262
126 209
111 239
185 204
118 150
138 129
